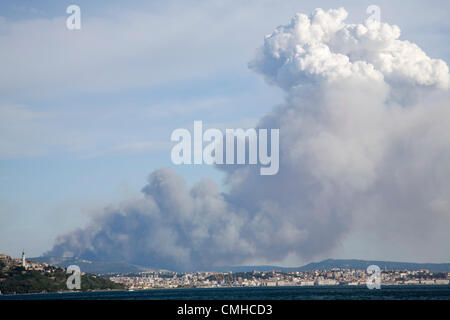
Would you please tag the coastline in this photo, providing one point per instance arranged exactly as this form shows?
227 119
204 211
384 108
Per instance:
402 286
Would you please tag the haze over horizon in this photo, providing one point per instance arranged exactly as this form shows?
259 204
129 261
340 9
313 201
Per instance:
363 114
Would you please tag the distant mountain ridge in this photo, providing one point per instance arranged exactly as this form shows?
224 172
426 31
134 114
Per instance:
363 264
95 267
342 264
110 267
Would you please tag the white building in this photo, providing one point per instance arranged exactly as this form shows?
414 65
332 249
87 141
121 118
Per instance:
24 262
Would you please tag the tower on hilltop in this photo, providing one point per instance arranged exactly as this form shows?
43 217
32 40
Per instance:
24 262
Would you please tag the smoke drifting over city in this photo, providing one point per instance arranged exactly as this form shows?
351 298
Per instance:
363 134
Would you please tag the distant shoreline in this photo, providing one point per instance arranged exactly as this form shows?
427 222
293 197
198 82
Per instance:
225 287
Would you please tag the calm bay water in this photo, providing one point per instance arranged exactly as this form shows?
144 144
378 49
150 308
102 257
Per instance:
441 292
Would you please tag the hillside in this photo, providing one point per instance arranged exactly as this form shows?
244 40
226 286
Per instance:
363 264
341 264
44 278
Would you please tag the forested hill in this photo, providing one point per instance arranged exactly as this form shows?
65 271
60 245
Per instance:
16 279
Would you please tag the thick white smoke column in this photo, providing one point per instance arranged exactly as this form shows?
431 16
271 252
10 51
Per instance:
323 48
361 135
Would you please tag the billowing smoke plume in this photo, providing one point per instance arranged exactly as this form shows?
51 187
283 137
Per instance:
361 134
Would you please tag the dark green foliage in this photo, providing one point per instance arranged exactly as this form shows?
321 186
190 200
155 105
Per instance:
18 280
91 282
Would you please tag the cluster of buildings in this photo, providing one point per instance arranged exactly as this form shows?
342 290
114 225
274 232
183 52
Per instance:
9 263
160 280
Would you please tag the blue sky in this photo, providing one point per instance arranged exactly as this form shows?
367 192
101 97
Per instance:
86 115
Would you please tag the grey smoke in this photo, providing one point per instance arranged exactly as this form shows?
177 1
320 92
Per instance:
363 134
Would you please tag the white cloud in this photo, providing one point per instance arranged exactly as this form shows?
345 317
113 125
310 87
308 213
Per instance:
322 47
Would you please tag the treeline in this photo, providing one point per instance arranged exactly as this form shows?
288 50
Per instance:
18 280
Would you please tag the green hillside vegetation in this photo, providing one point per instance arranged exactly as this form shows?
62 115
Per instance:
51 279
